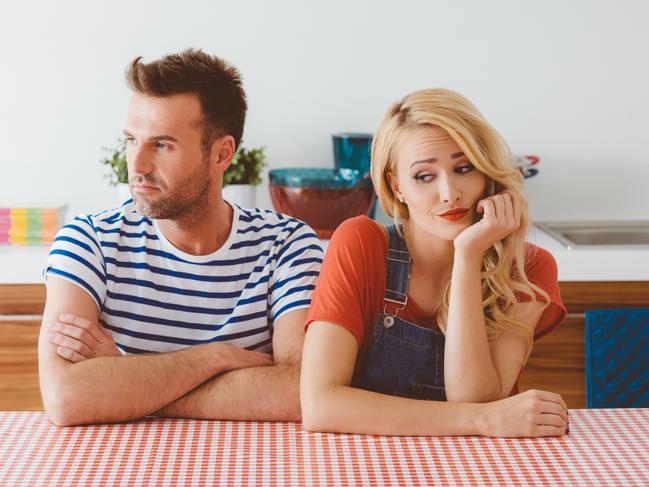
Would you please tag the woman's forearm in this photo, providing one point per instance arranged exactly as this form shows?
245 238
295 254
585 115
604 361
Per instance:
469 371
344 409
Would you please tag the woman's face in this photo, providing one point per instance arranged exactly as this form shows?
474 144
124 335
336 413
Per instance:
437 182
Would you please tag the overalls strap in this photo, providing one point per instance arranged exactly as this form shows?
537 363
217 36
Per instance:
398 268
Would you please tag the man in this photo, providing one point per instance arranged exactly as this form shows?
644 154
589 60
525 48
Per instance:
172 303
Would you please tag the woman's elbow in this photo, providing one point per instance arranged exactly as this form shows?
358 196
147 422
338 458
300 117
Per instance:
316 416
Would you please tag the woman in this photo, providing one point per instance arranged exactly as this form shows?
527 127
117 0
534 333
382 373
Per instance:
422 328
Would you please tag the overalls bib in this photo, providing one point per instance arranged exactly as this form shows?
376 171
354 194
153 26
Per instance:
402 358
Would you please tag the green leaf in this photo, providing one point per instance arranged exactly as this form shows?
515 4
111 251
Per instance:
116 161
246 167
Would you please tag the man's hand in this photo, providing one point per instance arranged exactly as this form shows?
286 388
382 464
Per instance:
79 339
239 358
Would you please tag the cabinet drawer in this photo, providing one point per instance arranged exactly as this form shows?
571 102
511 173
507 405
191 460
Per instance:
557 363
19 389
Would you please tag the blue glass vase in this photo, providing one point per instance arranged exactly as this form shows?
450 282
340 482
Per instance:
352 150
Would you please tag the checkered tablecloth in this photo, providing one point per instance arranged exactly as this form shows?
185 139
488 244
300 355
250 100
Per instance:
604 447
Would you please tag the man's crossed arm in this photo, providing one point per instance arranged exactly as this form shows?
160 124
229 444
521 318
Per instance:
93 384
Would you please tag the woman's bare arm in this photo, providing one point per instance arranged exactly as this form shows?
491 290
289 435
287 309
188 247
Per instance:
330 404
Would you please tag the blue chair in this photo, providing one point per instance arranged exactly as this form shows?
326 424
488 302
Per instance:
617 358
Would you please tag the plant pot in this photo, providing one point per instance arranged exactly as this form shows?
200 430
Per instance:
123 193
244 195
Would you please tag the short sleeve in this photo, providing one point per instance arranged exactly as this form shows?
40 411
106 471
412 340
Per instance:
541 269
76 256
344 295
298 261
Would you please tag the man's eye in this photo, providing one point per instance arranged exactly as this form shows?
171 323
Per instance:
161 145
130 140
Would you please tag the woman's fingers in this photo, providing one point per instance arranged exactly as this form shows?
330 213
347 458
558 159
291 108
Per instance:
550 431
551 397
551 419
554 409
509 209
488 209
517 202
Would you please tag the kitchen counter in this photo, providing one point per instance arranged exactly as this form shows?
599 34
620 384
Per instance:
623 264
23 265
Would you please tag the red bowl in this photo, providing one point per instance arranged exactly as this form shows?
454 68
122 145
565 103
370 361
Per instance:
323 209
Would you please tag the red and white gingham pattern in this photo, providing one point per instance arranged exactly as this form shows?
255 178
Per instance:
604 447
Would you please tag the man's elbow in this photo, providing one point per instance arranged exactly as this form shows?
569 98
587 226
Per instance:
63 401
59 407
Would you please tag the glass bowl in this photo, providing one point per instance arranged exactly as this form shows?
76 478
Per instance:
322 198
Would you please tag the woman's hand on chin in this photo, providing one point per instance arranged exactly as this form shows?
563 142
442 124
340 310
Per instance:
501 215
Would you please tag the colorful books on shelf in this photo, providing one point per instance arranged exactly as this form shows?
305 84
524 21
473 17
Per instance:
30 225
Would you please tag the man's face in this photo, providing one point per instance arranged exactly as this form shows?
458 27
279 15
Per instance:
169 176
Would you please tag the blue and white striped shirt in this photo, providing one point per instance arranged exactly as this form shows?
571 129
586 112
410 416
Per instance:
153 297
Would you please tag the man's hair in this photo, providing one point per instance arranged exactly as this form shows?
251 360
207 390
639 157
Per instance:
216 83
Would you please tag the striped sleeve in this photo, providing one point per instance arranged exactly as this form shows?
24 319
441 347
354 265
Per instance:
296 269
76 256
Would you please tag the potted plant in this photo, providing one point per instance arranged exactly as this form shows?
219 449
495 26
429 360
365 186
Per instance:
118 175
241 179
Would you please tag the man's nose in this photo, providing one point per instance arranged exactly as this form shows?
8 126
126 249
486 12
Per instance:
138 161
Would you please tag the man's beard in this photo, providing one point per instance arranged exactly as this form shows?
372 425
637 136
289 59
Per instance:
186 201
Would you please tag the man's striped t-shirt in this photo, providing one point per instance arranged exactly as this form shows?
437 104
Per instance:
153 297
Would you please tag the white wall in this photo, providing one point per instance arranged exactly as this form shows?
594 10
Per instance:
567 80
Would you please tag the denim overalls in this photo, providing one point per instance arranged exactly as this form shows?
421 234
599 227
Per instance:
402 358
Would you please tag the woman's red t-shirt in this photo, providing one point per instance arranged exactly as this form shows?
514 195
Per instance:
351 285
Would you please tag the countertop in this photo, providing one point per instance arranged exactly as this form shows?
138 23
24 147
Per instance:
23 265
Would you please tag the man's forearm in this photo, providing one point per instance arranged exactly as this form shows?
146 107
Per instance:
109 389
469 371
254 393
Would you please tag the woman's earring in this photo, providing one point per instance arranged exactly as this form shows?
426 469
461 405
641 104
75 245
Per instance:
402 199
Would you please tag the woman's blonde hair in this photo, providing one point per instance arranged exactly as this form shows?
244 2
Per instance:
503 267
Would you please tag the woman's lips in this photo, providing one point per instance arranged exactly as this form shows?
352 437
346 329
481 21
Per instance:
453 215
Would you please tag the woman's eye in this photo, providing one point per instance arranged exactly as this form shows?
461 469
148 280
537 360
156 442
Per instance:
464 169
424 177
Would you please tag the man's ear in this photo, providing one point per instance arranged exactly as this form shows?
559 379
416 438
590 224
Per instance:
222 152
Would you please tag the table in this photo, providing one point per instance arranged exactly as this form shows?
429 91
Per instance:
604 447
